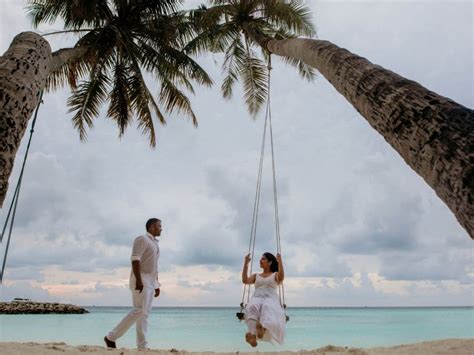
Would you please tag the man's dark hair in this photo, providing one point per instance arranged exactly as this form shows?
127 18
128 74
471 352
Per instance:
151 222
274 262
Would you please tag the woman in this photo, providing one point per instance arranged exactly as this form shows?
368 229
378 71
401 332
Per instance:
264 315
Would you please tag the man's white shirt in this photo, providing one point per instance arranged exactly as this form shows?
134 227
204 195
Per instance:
146 250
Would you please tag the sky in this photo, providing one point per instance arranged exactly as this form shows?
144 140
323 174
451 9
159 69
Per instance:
358 226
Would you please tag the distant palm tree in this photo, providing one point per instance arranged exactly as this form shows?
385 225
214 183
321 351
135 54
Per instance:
433 134
118 41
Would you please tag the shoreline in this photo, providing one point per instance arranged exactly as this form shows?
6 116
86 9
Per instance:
444 346
292 307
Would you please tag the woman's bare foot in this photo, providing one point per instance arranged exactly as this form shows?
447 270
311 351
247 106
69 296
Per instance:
251 339
260 330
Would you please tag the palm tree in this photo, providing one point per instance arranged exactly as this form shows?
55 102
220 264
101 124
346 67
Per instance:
433 134
241 62
119 41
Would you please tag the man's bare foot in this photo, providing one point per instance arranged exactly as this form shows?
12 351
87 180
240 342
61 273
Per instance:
109 343
260 330
251 339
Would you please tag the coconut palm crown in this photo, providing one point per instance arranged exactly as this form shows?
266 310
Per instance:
230 26
120 40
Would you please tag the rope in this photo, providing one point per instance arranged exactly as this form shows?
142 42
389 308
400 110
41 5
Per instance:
12 210
253 232
256 205
281 289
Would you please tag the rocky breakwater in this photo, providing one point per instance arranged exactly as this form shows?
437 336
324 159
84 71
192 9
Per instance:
39 308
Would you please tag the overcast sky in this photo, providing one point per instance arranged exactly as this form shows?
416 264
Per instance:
358 226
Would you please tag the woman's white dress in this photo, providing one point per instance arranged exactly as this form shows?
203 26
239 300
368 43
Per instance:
264 307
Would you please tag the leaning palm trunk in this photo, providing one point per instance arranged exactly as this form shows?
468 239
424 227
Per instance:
433 134
23 71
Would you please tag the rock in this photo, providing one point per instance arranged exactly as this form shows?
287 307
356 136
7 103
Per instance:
39 307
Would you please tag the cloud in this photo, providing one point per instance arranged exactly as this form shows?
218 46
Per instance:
371 290
450 265
25 274
71 282
25 290
394 224
316 262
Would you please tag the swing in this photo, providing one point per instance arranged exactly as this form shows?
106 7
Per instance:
281 289
12 210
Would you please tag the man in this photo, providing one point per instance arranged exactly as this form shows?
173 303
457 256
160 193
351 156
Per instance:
143 284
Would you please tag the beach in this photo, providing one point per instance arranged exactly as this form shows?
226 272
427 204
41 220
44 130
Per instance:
446 346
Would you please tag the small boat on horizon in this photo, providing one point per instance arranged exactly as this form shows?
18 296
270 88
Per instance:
20 300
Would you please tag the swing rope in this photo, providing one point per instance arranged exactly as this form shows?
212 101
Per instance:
281 289
14 203
256 205
253 231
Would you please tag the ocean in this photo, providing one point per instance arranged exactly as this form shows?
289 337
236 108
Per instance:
218 329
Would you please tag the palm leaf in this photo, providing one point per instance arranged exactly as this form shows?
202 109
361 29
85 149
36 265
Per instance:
74 14
306 72
68 73
215 40
86 101
175 100
119 108
123 37
223 26
292 15
254 76
141 100
234 60
188 66
163 67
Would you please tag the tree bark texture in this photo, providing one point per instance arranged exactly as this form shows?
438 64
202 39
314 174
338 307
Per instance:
23 71
433 134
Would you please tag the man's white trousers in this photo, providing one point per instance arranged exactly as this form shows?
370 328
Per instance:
142 304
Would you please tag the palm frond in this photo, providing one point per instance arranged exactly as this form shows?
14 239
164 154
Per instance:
44 11
74 14
175 100
163 67
215 40
293 15
306 72
206 18
119 108
141 100
68 73
230 22
188 66
86 101
254 76
122 38
152 7
234 59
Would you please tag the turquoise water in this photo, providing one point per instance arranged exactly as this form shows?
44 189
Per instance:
217 329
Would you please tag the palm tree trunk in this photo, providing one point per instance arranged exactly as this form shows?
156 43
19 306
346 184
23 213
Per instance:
433 134
23 71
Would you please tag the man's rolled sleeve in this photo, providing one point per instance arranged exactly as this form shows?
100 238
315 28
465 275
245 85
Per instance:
138 249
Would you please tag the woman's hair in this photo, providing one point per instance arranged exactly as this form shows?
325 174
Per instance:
272 260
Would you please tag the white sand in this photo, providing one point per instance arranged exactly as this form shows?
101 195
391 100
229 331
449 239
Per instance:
447 346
